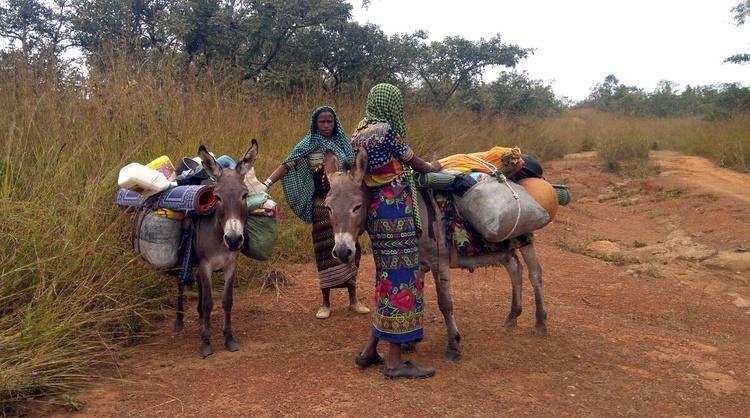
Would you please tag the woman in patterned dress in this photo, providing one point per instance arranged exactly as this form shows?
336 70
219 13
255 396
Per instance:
305 186
393 227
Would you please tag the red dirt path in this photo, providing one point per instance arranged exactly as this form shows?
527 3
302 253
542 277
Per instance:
647 296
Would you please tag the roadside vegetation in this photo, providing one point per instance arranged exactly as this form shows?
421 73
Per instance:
71 290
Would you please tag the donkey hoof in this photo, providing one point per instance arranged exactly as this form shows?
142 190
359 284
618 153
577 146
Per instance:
510 322
452 356
232 345
179 326
541 330
206 350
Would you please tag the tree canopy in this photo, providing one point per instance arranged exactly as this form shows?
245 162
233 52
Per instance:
288 46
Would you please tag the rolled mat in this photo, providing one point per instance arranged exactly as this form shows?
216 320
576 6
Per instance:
434 180
191 199
563 194
129 198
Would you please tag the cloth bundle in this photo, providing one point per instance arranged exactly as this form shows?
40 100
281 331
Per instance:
504 160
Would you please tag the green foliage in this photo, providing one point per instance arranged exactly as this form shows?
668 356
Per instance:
714 101
741 13
445 66
515 94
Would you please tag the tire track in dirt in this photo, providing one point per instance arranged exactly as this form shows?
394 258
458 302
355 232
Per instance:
701 174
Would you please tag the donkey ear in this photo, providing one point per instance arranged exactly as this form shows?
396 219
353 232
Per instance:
209 162
330 162
248 161
360 165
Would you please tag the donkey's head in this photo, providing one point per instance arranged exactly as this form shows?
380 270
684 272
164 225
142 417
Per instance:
230 191
347 202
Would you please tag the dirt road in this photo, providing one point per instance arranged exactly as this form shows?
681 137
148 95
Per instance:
646 286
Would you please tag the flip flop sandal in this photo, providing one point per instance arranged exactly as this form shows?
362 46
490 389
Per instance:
409 371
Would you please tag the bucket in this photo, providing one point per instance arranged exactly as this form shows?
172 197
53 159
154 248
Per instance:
164 165
141 179
226 161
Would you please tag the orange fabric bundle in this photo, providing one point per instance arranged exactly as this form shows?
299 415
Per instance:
506 160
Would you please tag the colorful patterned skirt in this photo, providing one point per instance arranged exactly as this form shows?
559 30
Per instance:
398 286
331 272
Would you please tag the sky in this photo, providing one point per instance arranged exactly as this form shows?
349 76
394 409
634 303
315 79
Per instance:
580 42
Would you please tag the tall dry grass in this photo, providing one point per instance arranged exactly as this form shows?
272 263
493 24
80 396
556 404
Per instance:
622 143
71 289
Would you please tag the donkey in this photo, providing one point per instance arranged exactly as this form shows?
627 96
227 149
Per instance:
347 204
218 240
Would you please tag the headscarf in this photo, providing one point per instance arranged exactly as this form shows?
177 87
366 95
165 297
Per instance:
384 104
298 182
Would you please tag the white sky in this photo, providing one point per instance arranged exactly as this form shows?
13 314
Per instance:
580 42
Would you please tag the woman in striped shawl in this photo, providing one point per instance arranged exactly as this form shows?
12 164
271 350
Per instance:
305 185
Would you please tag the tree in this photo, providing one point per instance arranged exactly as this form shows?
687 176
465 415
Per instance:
349 54
36 29
663 102
741 15
134 27
515 94
275 23
444 67
611 96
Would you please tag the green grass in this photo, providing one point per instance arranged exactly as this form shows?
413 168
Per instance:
71 289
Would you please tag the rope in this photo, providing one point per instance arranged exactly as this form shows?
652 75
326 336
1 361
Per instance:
487 164
502 179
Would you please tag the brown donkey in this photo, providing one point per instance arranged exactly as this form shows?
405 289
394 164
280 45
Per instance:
347 204
218 240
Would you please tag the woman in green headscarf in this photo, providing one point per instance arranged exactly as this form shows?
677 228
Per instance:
393 225
305 185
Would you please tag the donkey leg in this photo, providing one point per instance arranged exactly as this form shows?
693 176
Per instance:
535 277
226 302
206 305
445 303
515 271
179 324
200 298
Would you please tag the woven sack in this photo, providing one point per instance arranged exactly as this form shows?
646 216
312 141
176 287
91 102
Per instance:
261 233
500 210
